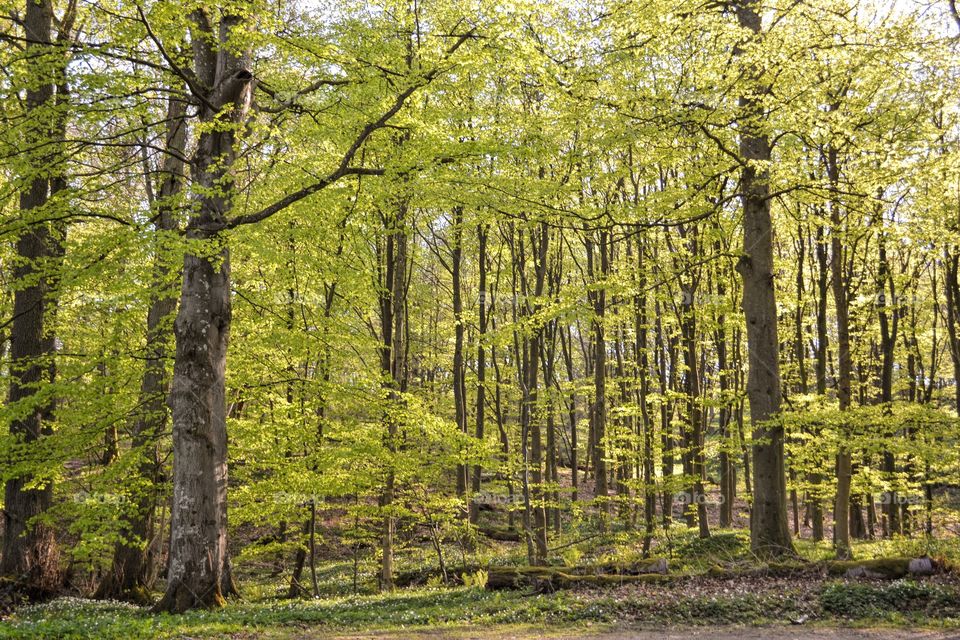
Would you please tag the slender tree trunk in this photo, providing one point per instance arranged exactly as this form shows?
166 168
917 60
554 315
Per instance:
393 323
131 575
816 479
598 410
459 368
841 511
688 328
482 234
646 424
566 346
889 325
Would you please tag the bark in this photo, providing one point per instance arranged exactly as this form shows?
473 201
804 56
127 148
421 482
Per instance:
30 552
688 329
952 287
199 568
393 331
131 574
482 234
459 368
841 511
566 347
727 475
643 389
889 325
816 506
769 532
598 410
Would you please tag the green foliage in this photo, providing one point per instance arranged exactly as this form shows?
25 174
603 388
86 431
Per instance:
855 600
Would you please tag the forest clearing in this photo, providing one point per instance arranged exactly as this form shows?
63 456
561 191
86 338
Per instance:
445 318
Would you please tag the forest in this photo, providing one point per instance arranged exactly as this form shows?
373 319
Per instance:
306 300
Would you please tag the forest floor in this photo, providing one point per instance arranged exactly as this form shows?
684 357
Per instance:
688 633
746 601
698 607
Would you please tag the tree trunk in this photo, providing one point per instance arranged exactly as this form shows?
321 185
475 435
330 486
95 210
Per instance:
130 575
769 532
393 323
199 567
30 552
459 369
889 325
481 363
598 409
816 506
841 511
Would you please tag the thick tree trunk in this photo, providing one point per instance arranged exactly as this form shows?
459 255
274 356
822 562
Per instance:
769 532
198 551
199 567
30 553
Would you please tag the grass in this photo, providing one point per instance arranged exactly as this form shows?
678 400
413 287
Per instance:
895 603
69 618
693 600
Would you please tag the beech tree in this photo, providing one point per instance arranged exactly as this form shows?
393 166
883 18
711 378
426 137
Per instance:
419 275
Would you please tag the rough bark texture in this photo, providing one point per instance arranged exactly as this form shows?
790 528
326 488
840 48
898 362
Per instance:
198 567
30 554
769 532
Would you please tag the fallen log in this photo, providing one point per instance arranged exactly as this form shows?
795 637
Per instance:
502 534
889 568
886 568
546 579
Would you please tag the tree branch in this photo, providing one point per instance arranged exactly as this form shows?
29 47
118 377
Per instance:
344 168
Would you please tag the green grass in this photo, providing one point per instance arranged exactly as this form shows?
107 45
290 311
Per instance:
263 614
76 618
895 603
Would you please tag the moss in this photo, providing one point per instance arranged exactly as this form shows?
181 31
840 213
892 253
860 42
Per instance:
552 578
878 568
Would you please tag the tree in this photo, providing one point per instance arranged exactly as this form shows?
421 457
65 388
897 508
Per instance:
769 533
30 553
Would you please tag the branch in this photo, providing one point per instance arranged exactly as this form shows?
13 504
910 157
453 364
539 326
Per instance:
184 74
344 168
293 101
